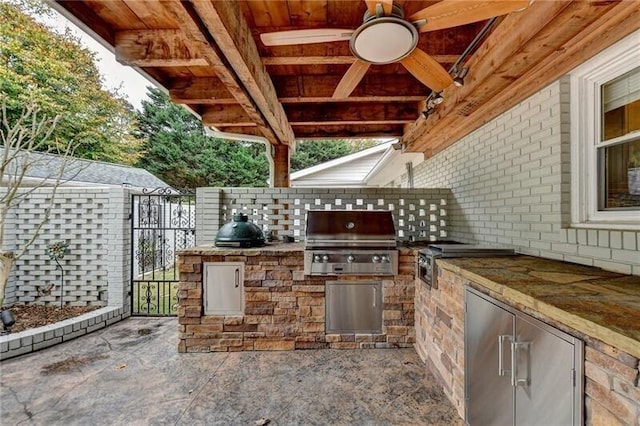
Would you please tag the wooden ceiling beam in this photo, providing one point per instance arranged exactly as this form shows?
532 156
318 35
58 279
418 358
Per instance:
348 113
620 20
343 131
225 115
351 99
193 27
372 85
209 90
157 48
508 38
228 27
86 18
333 60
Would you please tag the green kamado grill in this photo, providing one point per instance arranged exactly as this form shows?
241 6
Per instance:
240 233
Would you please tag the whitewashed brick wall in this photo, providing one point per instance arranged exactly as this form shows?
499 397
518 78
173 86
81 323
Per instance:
95 223
420 214
510 182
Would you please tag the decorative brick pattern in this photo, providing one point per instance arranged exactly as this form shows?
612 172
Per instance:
285 310
510 180
95 223
418 214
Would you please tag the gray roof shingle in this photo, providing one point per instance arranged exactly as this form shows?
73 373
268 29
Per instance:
46 166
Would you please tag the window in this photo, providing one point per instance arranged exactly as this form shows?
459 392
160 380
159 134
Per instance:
605 138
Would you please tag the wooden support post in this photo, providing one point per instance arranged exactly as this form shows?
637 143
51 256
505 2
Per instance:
280 171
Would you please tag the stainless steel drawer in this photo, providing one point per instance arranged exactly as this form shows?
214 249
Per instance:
354 307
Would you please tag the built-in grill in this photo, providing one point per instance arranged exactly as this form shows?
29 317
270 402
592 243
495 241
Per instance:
350 242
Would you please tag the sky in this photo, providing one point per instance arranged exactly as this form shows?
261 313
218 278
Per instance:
128 81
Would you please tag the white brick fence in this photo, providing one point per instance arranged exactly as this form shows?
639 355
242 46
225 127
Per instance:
95 223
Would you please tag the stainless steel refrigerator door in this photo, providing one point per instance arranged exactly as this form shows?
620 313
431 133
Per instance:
488 332
544 373
353 306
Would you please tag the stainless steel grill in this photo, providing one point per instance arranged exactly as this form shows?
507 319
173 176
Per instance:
350 242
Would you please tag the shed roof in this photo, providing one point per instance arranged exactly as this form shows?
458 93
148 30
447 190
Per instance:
45 166
374 166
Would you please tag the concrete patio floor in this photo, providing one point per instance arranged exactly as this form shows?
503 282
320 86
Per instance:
131 373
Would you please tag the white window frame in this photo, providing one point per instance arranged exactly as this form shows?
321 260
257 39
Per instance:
586 116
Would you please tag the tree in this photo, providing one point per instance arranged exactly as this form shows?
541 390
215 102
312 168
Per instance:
60 77
177 150
20 136
312 152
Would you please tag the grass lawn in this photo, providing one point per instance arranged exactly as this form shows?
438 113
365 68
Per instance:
155 293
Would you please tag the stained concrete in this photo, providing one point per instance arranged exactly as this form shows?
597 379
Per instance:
131 373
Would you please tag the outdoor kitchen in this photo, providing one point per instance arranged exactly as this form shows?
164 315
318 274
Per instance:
327 278
496 239
340 272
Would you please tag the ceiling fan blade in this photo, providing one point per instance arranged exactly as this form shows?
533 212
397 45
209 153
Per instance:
350 80
316 35
387 6
451 13
427 70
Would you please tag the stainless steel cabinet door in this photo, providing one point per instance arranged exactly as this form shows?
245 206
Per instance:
223 289
353 306
544 370
488 332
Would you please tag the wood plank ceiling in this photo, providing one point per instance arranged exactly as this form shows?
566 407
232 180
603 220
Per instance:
209 56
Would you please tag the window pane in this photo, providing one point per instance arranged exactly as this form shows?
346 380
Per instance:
619 175
621 105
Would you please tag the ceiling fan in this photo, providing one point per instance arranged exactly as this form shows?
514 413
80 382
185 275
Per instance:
386 37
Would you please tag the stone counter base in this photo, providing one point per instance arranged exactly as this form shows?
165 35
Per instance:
612 388
284 309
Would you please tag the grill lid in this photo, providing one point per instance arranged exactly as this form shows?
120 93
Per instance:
240 233
350 228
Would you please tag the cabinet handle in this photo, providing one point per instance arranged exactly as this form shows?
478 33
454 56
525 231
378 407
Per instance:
501 339
237 277
515 347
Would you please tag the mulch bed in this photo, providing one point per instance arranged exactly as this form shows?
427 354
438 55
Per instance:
32 316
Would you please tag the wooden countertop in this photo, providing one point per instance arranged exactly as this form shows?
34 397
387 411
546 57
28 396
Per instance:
604 305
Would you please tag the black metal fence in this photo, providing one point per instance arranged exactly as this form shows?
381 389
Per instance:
163 222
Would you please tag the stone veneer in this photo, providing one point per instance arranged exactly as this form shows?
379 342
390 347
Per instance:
612 392
284 309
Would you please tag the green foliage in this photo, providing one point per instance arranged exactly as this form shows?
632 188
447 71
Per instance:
58 75
312 152
177 150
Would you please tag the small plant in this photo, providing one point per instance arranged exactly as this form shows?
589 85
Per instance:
57 251
634 160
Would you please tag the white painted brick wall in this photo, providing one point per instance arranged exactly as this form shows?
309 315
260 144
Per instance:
419 213
510 182
95 223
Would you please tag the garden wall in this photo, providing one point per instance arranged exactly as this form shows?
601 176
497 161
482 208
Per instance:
419 214
95 223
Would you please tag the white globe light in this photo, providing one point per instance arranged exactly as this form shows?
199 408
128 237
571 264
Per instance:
384 42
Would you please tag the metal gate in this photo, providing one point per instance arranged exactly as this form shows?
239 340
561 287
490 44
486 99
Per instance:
163 222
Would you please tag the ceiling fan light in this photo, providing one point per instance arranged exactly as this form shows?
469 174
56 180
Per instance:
458 81
437 99
384 40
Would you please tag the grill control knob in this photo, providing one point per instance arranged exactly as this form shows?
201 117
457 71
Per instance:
376 258
316 258
351 258
385 258
325 258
